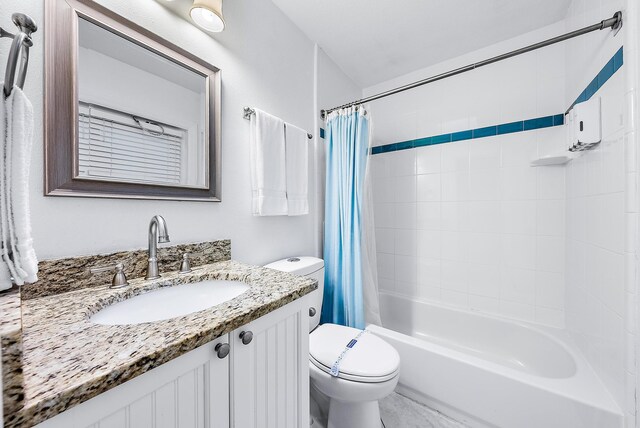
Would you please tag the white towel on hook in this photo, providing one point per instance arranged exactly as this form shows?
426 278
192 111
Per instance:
16 139
7 269
297 153
268 168
5 276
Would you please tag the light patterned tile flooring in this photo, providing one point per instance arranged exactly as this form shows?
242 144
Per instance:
398 411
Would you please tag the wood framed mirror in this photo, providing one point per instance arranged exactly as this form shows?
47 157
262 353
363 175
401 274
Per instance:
127 114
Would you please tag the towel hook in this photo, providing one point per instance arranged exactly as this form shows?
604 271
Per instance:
19 51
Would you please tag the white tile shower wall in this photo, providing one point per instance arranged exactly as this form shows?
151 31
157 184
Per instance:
487 236
595 262
471 223
632 161
601 243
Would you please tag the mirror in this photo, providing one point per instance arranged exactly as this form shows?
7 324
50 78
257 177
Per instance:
141 117
137 118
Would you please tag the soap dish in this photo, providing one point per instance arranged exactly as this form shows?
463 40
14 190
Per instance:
551 160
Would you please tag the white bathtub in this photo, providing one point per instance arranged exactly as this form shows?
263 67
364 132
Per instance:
488 372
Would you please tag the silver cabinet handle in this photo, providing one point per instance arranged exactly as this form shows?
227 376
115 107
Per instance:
312 312
246 337
222 349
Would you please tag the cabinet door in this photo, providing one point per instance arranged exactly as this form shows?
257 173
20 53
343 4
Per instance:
191 391
270 374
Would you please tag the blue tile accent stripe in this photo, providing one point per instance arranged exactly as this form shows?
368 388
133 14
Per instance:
423 142
462 135
485 132
508 128
488 131
605 74
558 119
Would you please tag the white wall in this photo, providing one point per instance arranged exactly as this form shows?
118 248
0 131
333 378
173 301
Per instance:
266 62
601 210
470 223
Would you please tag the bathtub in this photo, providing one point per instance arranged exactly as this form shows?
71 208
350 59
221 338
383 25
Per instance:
487 372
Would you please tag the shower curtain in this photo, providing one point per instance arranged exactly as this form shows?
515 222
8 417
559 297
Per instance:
351 289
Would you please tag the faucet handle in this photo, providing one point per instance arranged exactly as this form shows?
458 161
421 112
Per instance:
185 265
119 278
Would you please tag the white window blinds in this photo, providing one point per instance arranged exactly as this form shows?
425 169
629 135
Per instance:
118 146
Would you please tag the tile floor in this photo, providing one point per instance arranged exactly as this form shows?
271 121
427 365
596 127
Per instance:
399 411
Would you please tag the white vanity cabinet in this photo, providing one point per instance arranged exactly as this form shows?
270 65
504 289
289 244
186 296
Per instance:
270 370
263 383
189 391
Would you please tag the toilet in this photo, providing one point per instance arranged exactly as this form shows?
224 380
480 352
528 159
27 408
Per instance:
368 371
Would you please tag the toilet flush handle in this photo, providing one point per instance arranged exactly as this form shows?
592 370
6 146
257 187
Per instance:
246 337
312 312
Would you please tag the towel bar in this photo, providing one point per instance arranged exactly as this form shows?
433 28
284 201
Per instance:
21 43
248 111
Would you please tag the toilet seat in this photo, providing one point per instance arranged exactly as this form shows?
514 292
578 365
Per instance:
346 376
368 360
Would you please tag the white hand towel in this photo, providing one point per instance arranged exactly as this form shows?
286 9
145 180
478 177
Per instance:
268 169
5 276
16 132
297 152
8 269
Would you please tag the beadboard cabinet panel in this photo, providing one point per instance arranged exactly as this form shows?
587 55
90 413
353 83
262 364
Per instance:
191 391
270 382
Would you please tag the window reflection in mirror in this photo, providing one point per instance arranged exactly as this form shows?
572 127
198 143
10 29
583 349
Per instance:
141 117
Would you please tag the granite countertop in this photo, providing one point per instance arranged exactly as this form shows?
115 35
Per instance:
9 313
11 351
68 360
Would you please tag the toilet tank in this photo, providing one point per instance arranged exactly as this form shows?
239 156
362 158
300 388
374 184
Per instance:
311 267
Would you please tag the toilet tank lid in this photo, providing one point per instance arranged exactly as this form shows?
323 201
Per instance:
298 265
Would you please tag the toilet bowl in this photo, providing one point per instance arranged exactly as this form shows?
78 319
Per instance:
354 369
367 372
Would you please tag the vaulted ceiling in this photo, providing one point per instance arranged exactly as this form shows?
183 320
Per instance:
376 40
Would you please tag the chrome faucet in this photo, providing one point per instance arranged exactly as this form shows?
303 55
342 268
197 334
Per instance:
157 234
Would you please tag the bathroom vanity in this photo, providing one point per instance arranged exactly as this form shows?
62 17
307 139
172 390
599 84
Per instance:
243 362
256 375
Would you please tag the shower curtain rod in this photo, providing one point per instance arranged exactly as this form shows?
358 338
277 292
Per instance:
614 23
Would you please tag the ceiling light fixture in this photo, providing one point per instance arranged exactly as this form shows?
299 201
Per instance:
207 14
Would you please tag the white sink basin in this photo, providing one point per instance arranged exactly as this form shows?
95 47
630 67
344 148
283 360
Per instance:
169 302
